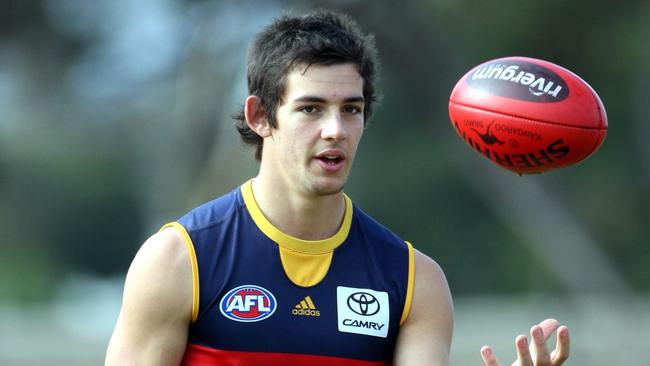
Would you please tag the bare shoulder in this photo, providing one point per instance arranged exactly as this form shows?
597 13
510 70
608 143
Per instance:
163 255
428 271
161 275
431 292
157 304
425 336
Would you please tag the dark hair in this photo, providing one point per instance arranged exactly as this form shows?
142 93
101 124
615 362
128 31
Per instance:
322 37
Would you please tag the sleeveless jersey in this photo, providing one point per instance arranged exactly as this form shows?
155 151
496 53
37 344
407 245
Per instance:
262 297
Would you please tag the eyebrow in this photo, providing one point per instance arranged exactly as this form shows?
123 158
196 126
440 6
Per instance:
315 99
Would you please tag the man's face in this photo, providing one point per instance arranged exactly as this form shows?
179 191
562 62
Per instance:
319 125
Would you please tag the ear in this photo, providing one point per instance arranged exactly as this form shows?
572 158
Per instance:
256 116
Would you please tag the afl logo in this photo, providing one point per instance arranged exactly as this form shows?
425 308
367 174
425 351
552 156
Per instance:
363 303
248 303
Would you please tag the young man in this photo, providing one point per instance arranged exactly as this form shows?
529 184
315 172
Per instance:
285 270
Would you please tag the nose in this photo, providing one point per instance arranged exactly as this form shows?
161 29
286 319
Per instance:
334 127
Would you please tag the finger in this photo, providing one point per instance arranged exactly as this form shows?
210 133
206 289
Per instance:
523 353
561 352
548 327
539 349
488 356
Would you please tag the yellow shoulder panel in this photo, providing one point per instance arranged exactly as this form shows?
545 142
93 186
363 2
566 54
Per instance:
195 268
409 286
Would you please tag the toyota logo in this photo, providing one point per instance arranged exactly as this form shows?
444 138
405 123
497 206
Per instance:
363 303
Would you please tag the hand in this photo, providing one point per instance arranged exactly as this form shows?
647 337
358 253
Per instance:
538 353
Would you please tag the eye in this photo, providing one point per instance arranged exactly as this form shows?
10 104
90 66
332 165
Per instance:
352 109
308 109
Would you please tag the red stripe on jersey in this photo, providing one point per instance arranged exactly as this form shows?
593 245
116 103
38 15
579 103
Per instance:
196 355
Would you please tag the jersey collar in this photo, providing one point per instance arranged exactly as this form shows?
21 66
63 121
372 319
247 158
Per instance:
287 241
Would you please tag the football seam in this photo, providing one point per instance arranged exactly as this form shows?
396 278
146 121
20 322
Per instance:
599 128
601 120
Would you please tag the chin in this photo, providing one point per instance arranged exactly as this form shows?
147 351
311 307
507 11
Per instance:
327 188
329 191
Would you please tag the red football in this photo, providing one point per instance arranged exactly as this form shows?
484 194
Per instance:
527 115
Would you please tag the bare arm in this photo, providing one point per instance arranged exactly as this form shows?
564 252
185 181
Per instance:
153 323
425 337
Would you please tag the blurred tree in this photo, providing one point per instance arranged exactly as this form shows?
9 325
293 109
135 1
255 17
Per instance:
115 117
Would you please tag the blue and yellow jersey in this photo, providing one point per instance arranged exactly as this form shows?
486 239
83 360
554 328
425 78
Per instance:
262 297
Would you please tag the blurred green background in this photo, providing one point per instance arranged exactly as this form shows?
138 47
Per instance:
115 118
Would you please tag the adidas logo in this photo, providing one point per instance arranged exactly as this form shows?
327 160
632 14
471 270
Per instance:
305 307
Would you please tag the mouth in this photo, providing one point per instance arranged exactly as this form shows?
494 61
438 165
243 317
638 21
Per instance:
331 160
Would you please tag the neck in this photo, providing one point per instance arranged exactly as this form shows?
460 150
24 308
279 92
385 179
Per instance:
300 215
